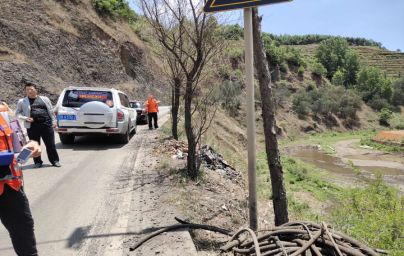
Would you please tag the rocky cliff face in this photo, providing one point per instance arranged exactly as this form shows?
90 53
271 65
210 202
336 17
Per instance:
65 43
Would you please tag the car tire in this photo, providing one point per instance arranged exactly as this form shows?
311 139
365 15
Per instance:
66 138
124 138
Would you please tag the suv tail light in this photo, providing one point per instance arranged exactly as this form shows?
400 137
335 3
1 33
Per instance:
120 116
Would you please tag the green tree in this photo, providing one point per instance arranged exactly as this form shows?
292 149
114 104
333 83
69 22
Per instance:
319 69
372 83
352 68
331 53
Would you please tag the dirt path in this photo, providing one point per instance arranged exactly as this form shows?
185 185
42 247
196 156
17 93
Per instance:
348 150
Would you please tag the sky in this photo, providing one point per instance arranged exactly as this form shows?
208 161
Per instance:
382 21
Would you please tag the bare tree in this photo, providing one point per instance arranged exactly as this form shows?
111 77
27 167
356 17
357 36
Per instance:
279 199
190 35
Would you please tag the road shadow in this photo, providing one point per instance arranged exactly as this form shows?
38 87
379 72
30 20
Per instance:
92 142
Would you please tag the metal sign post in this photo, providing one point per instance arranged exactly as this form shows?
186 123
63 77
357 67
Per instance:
225 5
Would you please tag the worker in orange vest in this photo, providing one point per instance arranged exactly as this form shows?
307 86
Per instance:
152 107
15 213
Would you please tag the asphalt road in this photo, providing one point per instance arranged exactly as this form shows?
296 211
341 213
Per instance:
86 200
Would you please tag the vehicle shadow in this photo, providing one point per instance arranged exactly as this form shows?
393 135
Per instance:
92 142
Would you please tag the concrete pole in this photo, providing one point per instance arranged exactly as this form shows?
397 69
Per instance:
249 70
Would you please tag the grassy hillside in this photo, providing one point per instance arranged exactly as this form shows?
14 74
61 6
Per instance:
390 62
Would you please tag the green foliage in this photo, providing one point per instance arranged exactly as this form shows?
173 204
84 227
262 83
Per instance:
275 55
115 9
232 32
351 68
373 85
397 98
318 69
323 102
229 94
339 77
334 54
315 39
331 53
384 116
373 214
300 71
366 140
294 57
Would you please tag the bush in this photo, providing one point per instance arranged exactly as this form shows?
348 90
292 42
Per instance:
229 94
115 9
326 101
384 116
318 69
339 78
294 57
300 71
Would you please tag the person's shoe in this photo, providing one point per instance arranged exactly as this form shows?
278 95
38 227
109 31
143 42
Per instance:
57 164
156 127
38 165
150 128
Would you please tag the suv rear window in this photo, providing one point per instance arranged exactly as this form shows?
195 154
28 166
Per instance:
77 98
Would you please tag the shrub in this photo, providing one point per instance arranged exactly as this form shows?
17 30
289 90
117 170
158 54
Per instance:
325 101
283 67
339 77
300 71
294 57
384 116
319 69
229 94
115 9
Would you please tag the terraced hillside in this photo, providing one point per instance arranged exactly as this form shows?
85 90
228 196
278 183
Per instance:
390 62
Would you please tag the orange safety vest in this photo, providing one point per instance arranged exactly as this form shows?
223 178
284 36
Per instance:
152 106
17 182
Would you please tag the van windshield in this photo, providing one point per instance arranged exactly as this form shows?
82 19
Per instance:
77 98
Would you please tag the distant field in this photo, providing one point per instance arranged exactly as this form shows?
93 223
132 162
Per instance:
390 62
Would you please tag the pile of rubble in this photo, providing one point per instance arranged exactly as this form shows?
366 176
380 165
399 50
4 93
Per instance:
215 162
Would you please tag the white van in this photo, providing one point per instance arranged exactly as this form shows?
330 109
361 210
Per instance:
91 110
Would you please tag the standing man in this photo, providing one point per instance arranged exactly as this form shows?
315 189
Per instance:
39 119
15 213
152 110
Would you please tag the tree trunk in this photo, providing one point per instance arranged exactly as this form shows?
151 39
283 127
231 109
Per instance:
191 159
175 105
280 202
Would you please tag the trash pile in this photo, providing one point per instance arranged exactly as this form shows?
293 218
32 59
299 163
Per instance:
177 149
215 162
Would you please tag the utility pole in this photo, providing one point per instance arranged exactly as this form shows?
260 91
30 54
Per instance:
249 71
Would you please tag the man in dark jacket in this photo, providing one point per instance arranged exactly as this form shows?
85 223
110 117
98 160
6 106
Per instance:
39 119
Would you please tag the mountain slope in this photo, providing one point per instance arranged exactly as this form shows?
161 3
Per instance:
62 43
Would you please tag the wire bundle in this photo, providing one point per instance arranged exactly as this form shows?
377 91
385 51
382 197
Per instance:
297 238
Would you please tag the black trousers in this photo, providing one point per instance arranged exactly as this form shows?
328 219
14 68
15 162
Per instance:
16 217
154 117
38 131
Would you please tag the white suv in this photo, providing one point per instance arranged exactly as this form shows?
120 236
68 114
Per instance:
90 110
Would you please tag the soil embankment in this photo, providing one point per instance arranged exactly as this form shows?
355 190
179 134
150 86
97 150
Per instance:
66 43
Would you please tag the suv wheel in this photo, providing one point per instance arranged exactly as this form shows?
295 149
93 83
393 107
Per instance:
124 138
66 138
